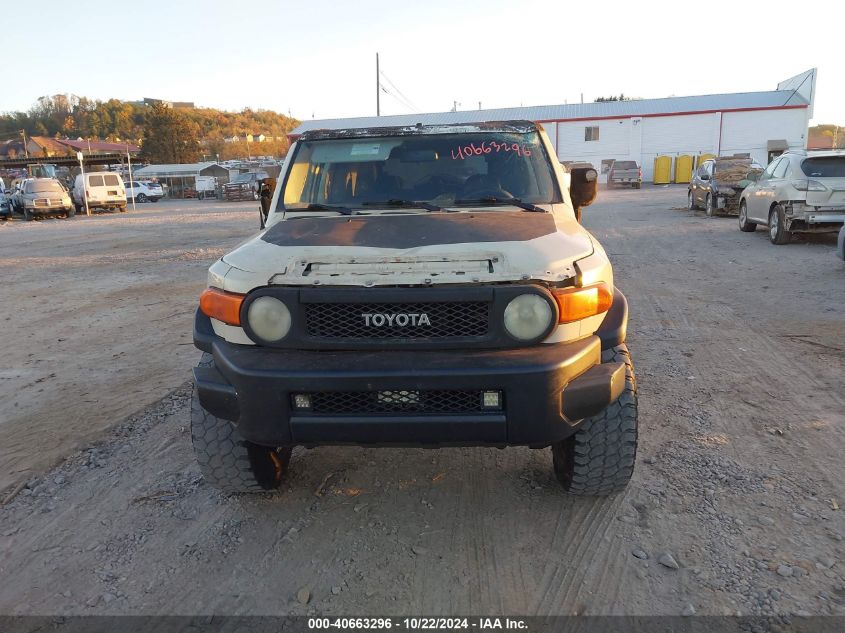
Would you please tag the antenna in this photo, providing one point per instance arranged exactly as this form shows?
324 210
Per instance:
378 90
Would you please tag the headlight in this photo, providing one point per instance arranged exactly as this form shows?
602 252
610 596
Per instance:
269 318
528 316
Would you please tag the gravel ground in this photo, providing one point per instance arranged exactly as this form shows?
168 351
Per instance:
734 506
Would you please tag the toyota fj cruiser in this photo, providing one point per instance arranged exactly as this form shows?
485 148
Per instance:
417 286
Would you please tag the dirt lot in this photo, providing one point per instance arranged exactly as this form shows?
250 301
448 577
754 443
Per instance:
734 507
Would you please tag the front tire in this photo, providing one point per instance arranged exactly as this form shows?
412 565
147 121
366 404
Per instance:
230 463
71 212
777 226
691 201
141 198
744 225
599 458
27 215
709 206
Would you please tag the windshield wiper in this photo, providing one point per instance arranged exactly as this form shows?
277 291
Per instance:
317 206
527 206
397 202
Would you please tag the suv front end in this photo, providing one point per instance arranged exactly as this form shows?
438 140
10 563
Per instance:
412 324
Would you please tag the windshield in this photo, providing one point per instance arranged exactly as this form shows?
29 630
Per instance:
624 164
439 169
824 167
244 178
46 186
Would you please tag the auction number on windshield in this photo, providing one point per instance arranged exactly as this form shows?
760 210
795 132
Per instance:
488 147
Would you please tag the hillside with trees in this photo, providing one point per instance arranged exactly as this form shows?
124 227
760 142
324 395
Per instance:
70 116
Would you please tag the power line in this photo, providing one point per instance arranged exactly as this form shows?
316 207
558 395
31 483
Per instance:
407 101
397 99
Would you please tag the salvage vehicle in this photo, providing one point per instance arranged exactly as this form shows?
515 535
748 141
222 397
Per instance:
801 191
417 286
718 183
42 196
245 186
104 190
5 206
625 172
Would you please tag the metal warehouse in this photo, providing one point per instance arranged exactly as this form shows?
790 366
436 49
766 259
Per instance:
761 124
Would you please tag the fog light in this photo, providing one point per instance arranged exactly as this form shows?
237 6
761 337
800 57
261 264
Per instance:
302 401
491 399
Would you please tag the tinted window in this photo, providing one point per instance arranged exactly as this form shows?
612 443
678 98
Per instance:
44 186
591 133
439 168
625 164
95 181
824 167
111 180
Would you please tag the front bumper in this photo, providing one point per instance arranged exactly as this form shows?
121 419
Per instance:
545 392
239 194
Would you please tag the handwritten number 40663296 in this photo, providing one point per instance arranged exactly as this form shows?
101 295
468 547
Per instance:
465 151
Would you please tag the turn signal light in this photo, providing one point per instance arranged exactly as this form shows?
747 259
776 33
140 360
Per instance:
221 305
575 304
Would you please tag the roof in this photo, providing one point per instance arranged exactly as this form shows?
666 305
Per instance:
575 111
176 169
98 146
418 130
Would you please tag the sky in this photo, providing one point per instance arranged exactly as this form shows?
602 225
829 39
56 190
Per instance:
317 59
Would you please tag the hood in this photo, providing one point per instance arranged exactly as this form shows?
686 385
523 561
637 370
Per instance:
414 249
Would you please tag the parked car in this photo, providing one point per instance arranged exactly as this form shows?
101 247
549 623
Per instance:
625 172
244 186
5 206
104 190
718 182
799 192
144 191
42 196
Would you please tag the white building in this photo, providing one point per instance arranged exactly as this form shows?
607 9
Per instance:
762 124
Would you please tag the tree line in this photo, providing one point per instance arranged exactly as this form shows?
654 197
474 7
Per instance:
164 134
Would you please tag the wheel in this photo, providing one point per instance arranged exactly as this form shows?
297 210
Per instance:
229 462
27 214
141 197
744 225
637 185
777 226
255 195
599 458
709 206
122 209
691 201
71 212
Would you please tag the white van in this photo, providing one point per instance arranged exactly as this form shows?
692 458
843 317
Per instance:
105 190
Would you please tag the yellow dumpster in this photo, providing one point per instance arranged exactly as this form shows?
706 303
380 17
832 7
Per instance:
683 168
662 170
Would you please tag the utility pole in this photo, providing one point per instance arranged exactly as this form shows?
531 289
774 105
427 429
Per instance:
378 89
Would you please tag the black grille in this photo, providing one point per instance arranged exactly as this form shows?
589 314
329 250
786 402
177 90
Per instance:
399 401
457 319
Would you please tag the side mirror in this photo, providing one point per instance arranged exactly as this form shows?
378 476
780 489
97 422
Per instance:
583 187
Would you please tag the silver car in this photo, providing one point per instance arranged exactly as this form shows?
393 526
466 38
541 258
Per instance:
799 192
42 196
